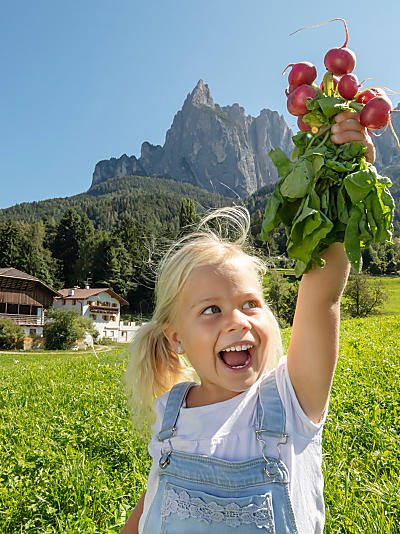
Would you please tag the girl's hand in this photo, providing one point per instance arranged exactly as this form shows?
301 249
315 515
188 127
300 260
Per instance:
348 128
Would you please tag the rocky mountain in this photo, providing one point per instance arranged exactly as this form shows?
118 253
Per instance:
219 149
388 152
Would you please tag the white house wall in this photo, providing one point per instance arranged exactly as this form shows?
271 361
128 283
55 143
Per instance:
116 330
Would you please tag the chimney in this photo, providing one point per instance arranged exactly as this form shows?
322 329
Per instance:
71 292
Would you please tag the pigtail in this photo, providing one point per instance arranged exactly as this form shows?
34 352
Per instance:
152 370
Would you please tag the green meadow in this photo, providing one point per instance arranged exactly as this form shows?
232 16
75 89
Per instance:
392 286
70 461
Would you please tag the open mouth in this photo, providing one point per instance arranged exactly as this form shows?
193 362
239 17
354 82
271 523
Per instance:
237 358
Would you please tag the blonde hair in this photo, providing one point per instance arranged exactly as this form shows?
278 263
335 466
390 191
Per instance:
153 368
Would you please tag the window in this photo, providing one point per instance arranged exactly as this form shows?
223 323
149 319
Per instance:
89 302
32 331
114 305
64 302
106 303
73 302
105 317
93 316
113 318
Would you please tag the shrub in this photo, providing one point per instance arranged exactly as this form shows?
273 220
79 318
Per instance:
11 335
64 327
281 295
106 341
363 297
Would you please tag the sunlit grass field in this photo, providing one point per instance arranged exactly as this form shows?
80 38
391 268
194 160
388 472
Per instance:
391 285
70 462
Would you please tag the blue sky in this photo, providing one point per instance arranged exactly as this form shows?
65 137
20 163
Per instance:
89 80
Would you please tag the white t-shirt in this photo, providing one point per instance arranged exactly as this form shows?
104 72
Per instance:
226 430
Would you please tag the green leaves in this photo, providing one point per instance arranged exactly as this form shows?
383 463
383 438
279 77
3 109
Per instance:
314 118
298 182
281 162
328 193
308 229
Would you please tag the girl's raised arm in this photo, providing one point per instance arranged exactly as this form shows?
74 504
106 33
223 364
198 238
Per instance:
314 345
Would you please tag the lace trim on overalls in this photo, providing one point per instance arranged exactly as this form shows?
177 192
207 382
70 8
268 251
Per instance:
232 514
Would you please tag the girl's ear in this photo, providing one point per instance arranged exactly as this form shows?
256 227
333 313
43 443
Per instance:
172 336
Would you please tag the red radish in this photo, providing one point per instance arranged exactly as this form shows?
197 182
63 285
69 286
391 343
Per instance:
303 126
301 73
340 61
366 95
348 86
376 113
289 90
335 83
296 102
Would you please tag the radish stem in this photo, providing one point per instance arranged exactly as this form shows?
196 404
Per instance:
317 25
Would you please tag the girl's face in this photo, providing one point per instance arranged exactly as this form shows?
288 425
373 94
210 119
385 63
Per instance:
222 307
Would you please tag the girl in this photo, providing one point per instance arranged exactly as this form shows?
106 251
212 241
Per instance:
239 447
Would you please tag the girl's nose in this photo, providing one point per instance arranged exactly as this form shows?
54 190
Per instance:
238 321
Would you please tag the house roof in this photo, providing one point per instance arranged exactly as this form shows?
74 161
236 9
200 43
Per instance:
82 294
12 273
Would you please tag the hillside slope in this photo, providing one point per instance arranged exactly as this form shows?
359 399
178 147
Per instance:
150 201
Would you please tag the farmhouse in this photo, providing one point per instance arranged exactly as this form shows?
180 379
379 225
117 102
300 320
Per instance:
24 299
103 306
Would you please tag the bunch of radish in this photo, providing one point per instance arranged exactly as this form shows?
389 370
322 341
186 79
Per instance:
340 63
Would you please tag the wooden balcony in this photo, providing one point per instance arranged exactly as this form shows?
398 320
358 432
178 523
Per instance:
24 320
103 309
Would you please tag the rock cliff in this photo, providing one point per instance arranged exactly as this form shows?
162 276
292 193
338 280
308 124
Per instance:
220 149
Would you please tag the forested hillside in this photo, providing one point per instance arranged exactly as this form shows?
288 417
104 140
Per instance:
153 202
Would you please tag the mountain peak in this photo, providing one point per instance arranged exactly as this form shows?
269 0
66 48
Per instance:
200 95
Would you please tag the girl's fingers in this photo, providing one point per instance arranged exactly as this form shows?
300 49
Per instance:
349 124
344 115
348 129
347 136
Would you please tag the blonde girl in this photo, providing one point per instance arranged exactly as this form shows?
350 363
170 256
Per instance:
237 439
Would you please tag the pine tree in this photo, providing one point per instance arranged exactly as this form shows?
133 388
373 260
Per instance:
35 258
11 244
112 266
188 215
73 246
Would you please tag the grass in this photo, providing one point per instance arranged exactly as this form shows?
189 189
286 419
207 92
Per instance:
392 285
70 463
68 459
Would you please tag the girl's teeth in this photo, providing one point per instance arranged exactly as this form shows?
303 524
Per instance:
238 348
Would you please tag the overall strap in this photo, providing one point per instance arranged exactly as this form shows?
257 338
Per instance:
270 412
174 403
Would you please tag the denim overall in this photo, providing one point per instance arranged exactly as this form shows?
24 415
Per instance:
199 494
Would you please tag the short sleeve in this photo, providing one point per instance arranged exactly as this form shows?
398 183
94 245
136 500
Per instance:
297 420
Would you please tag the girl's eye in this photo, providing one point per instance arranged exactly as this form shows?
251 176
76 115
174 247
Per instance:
211 310
250 304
